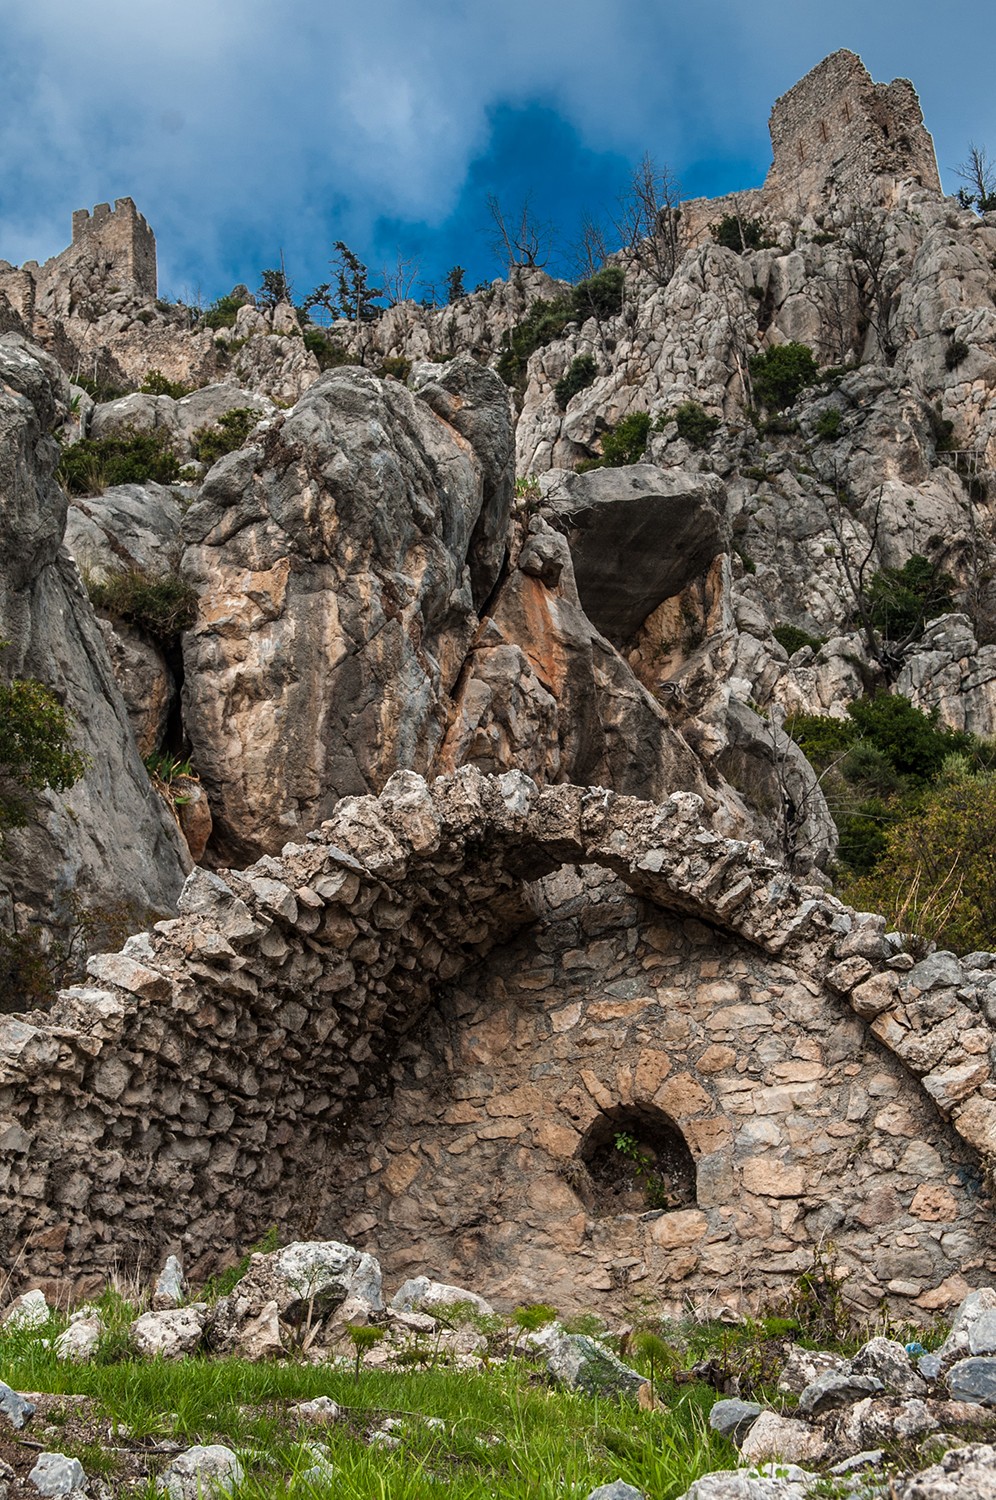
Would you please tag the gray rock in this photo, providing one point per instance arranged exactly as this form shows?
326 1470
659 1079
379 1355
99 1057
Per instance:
803 1366
128 526
171 1287
638 535
111 839
974 1307
201 1471
783 1439
422 1292
973 1380
171 1333
785 1482
282 1285
14 1407
320 1412
836 1389
982 1334
29 1310
617 1490
79 1341
55 1474
929 1366
963 1474
584 1364
871 1458
733 1418
887 1361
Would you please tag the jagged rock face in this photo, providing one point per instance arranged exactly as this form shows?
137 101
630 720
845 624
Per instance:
109 838
332 556
543 692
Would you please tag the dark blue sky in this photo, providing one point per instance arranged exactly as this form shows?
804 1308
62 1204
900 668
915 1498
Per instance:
243 127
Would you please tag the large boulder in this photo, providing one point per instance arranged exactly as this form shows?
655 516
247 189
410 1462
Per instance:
304 1282
332 555
109 840
638 535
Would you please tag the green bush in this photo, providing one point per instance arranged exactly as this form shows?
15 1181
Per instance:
828 424
156 384
543 322
601 295
93 464
37 748
579 375
902 600
395 367
223 313
229 433
738 234
99 390
327 350
160 604
781 372
695 424
792 639
625 444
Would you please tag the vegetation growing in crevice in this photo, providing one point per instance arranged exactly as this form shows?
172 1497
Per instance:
95 464
228 433
578 376
161 604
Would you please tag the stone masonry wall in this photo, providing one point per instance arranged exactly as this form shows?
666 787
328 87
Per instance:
207 1081
123 235
802 1127
838 132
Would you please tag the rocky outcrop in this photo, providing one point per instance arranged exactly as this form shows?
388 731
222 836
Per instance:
109 841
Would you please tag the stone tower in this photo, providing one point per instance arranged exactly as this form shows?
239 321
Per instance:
123 235
838 132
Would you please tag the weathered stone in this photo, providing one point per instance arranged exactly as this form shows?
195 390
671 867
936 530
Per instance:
201 1471
584 1364
973 1308
171 1287
776 1437
973 1379
422 1291
169 1334
13 1406
733 1418
888 1362
617 1490
962 1474
29 1310
836 1389
80 1340
55 1474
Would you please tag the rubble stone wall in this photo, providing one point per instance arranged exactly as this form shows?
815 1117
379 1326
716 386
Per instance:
837 130
121 233
213 1077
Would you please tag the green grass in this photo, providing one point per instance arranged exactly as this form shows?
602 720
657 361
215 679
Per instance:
505 1432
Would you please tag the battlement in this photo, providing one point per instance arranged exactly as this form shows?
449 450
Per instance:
120 234
838 132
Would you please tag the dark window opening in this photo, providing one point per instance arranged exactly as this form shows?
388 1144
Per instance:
634 1159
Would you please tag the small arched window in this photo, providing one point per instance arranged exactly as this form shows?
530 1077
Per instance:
634 1159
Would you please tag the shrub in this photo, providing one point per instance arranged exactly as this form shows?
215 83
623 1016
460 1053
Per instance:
942 430
229 433
578 377
780 373
738 234
223 313
37 748
627 441
326 349
956 352
828 424
156 384
792 639
695 424
99 390
543 322
93 464
937 877
902 600
601 295
395 367
160 604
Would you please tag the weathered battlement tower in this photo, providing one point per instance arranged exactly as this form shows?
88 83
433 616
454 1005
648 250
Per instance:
838 132
122 236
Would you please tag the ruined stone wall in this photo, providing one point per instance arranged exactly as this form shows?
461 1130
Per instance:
207 1082
121 235
837 132
801 1125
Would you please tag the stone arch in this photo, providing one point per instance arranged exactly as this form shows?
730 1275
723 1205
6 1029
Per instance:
182 1097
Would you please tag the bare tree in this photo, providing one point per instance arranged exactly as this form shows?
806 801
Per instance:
518 238
650 221
979 172
590 250
874 276
400 279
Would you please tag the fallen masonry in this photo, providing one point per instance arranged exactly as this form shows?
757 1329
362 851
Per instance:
313 1042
